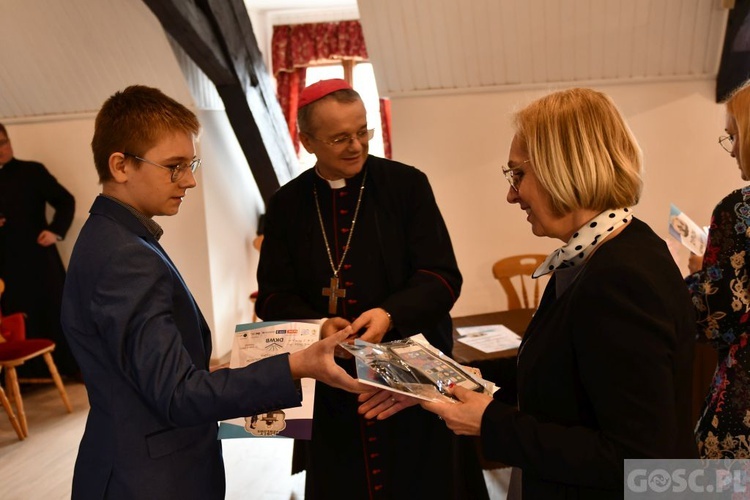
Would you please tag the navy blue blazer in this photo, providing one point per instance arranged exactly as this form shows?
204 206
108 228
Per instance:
144 348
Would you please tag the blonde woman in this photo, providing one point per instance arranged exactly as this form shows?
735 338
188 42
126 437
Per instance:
720 289
604 370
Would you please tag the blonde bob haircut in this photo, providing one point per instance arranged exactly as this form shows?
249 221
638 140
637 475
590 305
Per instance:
581 151
738 104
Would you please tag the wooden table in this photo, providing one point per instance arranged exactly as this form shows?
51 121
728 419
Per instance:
499 367
517 320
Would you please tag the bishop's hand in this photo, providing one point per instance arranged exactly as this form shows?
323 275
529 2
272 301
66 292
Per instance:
381 404
375 322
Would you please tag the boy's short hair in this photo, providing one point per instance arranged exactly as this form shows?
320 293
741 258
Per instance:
133 121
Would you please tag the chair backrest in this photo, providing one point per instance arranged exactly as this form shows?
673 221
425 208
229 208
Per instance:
519 268
13 326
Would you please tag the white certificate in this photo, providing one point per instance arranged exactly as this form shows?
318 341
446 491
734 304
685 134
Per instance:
489 338
255 341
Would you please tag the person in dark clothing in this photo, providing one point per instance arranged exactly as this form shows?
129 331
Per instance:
29 261
139 335
720 288
359 240
605 367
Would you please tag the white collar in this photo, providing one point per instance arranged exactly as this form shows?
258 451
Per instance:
337 184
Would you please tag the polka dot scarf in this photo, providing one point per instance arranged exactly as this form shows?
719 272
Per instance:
584 241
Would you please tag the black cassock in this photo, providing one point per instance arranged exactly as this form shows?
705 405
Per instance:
33 274
400 259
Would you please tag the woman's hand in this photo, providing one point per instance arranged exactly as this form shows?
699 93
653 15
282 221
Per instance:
464 418
695 263
376 323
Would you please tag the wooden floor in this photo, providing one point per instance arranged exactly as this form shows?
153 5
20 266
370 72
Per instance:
41 466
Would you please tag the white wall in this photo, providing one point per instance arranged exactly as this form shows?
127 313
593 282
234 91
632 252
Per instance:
216 264
461 141
232 204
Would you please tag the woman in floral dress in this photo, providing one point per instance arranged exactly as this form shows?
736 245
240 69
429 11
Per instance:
720 292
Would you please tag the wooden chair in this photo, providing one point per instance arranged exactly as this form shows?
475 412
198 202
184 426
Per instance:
11 414
519 268
15 350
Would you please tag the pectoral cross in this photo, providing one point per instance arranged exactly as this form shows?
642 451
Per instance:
333 293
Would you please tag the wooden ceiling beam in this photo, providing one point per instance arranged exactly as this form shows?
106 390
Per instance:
218 36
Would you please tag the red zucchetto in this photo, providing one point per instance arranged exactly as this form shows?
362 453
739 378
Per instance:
320 89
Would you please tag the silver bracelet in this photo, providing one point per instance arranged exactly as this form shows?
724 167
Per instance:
390 319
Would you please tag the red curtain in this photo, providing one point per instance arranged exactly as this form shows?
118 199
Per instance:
385 121
288 86
294 47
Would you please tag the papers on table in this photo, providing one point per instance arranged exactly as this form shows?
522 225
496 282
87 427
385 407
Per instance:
489 338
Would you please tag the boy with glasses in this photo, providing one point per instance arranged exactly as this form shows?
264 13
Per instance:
138 334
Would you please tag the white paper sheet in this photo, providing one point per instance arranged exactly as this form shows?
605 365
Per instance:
255 341
489 338
683 229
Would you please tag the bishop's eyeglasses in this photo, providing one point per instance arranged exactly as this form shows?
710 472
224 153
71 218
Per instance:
363 136
514 175
178 171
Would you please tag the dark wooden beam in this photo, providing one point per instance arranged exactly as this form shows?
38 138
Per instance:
734 67
218 36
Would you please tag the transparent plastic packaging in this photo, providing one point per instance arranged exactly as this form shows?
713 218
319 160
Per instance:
414 367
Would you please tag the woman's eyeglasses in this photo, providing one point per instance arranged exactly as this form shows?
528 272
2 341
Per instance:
513 175
727 142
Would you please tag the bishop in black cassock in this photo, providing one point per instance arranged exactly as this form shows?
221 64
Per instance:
400 259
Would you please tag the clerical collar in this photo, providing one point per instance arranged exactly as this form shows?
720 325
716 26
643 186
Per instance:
153 228
337 184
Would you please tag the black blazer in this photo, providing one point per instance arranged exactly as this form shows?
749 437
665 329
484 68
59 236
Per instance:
604 374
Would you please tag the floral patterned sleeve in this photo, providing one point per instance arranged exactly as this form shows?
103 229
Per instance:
721 290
